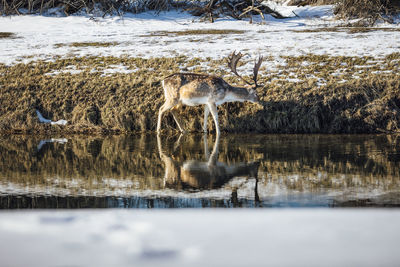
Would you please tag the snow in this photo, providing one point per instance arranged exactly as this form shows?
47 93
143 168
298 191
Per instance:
134 35
68 69
117 69
44 120
304 11
200 238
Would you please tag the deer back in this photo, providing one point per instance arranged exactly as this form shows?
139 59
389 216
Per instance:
191 85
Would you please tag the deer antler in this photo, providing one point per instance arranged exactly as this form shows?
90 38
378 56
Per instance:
233 59
257 65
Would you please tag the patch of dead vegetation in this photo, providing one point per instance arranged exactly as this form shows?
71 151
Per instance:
87 44
7 35
367 12
308 94
100 7
195 32
311 2
350 30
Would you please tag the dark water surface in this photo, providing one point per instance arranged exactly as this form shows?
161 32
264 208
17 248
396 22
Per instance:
198 171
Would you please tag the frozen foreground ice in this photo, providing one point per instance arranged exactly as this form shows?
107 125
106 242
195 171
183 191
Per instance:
307 237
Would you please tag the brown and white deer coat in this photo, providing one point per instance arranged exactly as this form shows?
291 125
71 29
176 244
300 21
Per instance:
193 89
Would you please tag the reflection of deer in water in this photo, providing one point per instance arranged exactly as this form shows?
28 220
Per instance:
204 175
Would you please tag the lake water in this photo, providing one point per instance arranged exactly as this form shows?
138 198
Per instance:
196 171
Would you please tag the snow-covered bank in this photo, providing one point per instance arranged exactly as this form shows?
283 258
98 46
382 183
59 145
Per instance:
201 238
41 37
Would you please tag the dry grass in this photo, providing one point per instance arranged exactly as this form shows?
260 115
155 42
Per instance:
329 95
4 35
195 32
311 2
99 7
367 11
88 44
350 30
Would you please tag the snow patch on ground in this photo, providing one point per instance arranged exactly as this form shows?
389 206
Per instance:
116 69
69 69
44 120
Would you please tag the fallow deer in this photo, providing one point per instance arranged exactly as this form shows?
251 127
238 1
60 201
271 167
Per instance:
202 89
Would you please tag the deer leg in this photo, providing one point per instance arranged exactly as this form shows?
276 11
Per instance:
206 113
170 174
214 113
178 121
177 143
166 106
206 152
214 154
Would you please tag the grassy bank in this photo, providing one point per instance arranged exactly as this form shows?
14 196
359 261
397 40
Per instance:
307 94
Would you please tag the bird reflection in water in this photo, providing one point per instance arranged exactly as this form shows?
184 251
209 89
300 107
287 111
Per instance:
196 175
